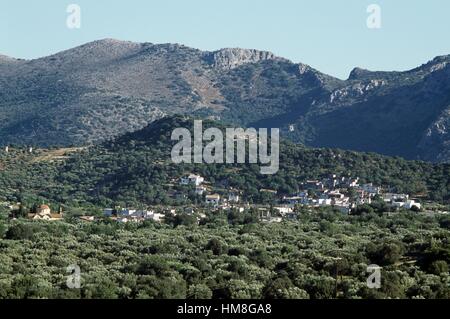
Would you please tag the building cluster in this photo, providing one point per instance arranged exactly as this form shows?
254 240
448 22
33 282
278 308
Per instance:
401 201
211 199
341 193
345 194
125 215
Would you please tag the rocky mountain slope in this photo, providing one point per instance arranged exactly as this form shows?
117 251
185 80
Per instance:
106 88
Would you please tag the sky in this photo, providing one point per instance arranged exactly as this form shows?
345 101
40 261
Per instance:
330 35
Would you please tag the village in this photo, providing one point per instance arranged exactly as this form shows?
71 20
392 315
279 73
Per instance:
340 193
343 194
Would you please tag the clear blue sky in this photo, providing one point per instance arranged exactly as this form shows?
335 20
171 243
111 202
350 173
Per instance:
330 35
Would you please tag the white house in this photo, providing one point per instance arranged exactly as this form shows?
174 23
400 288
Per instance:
146 214
192 179
341 201
371 189
398 204
284 209
353 182
391 197
157 217
411 203
212 199
127 212
199 190
363 200
324 202
233 198
271 219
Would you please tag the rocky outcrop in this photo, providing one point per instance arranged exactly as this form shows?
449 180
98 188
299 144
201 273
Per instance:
231 58
7 59
355 90
435 144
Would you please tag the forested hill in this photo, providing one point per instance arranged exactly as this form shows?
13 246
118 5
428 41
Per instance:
136 169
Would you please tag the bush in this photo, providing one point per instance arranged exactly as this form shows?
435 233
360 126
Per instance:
217 247
439 267
22 231
386 253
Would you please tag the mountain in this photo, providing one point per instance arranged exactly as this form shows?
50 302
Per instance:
136 169
106 88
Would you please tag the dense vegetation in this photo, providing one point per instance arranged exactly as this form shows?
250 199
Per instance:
323 255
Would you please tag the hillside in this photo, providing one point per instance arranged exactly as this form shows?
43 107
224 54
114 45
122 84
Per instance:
222 254
106 88
136 169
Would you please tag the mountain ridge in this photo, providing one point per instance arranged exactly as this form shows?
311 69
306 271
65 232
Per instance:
107 87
